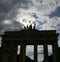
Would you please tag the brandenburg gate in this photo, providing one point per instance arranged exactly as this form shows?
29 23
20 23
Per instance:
11 40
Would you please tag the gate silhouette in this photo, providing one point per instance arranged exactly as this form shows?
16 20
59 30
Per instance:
11 40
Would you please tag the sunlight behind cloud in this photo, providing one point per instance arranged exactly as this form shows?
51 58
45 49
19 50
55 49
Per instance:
25 19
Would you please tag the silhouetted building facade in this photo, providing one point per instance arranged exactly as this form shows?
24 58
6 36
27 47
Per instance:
11 39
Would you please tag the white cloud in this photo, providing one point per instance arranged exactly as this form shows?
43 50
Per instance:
52 23
46 6
7 22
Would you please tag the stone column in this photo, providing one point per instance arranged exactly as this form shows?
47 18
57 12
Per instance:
1 54
55 47
45 52
5 53
10 52
22 52
35 53
14 52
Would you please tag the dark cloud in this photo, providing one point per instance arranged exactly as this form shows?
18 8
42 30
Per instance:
1 27
8 10
7 5
56 13
15 26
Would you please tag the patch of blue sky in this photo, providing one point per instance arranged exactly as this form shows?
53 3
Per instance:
39 24
55 13
59 37
34 15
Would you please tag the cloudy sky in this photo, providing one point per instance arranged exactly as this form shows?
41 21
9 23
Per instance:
14 14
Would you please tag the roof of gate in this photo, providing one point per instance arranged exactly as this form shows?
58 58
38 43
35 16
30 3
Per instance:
30 32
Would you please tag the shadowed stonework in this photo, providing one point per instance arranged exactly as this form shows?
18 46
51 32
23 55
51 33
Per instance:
27 59
50 58
29 36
